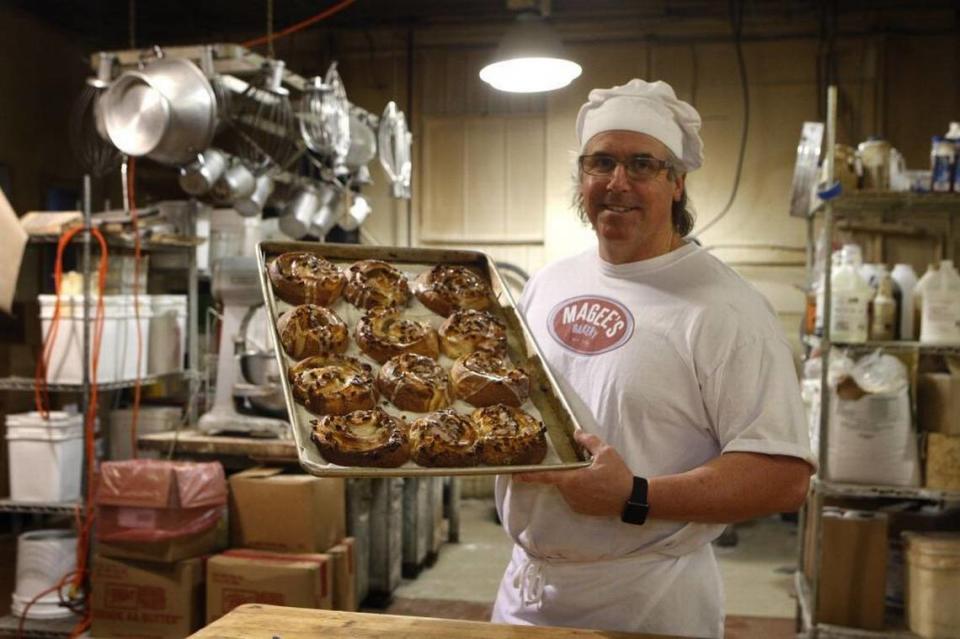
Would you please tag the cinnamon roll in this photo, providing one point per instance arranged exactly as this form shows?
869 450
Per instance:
482 378
362 438
332 384
446 288
414 382
444 439
508 436
309 329
383 334
467 331
372 283
305 278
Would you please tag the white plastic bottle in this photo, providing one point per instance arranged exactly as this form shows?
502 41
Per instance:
906 279
953 135
850 299
940 320
932 271
883 308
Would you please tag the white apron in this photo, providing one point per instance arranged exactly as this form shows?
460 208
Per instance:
648 592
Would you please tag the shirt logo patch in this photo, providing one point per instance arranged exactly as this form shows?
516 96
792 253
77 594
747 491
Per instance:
590 325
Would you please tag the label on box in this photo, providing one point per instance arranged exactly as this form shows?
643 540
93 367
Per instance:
137 518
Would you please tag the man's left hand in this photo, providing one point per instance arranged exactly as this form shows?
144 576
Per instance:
602 488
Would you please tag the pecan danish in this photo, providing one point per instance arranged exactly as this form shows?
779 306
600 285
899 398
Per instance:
470 330
444 439
509 436
305 278
309 329
482 378
332 384
362 438
372 283
446 288
383 334
414 382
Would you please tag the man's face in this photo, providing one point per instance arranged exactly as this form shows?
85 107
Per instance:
630 215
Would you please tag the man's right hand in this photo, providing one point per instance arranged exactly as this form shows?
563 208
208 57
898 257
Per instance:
601 489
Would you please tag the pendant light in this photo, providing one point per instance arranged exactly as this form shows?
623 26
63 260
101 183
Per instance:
530 59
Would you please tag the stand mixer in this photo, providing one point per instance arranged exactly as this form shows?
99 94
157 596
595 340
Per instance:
248 398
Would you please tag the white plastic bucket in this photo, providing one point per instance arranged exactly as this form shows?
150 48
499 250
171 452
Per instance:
44 557
933 581
45 456
168 334
118 348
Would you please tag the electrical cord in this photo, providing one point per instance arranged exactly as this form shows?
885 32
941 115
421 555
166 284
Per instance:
299 26
736 21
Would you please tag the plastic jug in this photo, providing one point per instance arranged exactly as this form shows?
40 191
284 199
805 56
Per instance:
883 316
940 306
850 297
906 279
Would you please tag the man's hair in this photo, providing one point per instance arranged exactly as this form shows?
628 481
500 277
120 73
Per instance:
680 213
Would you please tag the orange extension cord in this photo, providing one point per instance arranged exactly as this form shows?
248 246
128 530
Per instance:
84 514
136 302
299 26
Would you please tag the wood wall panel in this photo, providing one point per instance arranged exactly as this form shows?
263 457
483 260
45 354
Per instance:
483 179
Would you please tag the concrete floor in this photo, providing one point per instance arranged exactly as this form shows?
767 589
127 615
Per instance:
756 572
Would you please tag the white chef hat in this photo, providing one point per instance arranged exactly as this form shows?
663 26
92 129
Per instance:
645 107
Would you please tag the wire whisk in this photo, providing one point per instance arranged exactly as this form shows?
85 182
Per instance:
88 137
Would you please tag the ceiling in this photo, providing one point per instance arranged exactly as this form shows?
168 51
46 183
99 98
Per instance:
105 24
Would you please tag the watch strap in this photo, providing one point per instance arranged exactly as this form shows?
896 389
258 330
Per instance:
636 509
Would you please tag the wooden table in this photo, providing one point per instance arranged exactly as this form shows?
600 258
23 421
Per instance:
193 443
259 621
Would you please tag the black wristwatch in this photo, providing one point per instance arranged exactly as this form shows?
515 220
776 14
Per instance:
636 509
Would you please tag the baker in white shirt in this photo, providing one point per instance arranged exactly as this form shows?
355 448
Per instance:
682 379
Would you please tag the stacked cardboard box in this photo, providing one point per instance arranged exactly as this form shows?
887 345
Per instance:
281 523
159 521
938 412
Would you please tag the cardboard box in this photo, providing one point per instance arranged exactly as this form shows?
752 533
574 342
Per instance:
853 567
148 500
943 462
938 403
208 542
155 601
286 512
241 576
344 575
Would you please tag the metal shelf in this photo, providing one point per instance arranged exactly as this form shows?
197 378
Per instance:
827 631
837 489
41 507
15 383
37 627
893 202
936 349
114 241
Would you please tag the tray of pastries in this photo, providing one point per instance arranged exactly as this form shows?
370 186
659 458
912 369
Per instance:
409 361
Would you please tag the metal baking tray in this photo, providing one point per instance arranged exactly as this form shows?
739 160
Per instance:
546 401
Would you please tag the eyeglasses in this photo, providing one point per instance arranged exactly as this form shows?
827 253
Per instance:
638 167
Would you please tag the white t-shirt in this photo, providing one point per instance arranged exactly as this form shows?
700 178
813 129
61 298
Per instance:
672 361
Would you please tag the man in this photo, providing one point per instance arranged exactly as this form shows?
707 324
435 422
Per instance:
682 379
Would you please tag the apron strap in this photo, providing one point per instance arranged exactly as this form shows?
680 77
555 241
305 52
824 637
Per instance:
529 580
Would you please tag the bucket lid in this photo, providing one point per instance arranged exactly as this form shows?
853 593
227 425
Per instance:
933 543
33 419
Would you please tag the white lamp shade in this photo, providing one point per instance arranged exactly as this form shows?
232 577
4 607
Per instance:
530 59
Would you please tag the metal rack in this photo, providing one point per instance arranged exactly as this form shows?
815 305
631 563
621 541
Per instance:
62 627
847 206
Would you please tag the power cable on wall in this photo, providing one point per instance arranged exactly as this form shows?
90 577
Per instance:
736 22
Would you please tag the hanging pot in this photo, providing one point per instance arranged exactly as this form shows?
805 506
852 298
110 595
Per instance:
167 111
199 176
252 205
